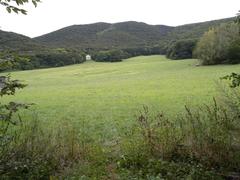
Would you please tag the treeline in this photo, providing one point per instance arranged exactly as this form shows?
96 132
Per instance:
219 45
61 57
117 55
182 49
43 59
57 58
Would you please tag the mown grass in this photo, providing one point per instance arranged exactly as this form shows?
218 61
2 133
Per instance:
110 94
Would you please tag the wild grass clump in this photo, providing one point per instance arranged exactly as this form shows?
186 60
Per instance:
160 135
38 153
203 142
211 136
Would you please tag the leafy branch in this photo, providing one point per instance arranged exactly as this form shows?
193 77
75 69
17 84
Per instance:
13 7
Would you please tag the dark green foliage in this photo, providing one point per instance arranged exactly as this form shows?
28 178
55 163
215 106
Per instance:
105 36
12 61
11 7
234 79
8 86
144 50
182 49
56 58
117 55
110 56
50 58
234 52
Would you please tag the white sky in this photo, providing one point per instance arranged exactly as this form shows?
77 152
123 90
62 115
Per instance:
51 15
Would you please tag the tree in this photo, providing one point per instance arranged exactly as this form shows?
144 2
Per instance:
181 49
213 47
13 5
235 52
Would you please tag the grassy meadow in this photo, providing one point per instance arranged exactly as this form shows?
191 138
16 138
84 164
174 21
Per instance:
90 122
110 94
114 91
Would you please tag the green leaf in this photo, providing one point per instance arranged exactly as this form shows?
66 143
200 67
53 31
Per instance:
9 10
23 11
35 3
15 10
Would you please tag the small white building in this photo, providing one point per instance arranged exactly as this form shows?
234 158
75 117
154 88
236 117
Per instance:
88 57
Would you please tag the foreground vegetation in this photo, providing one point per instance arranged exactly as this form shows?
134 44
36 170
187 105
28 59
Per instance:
86 122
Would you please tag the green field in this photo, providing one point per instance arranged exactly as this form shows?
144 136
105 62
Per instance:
111 94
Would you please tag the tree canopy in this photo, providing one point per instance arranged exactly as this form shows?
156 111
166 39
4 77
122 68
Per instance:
219 45
181 49
13 5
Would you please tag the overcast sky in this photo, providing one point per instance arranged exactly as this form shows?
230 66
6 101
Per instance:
51 15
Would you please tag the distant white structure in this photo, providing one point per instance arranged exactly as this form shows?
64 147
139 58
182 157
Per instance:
88 57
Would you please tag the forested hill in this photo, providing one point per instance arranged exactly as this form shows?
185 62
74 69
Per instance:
107 36
14 41
194 30
123 35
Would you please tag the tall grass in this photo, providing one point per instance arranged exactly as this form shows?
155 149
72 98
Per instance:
203 140
39 153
